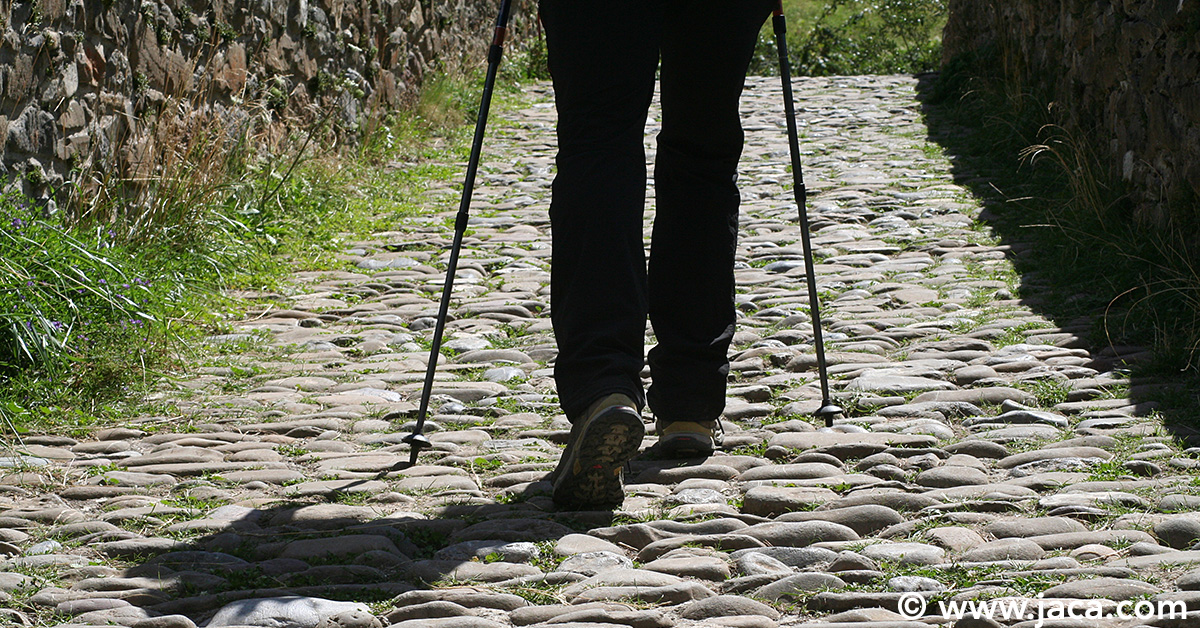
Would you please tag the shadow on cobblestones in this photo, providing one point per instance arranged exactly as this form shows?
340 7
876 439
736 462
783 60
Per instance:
335 546
1060 271
994 445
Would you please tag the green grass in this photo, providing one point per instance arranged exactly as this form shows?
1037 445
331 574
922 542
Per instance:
349 498
1108 471
539 593
1017 335
187 501
843 37
80 308
758 451
102 300
484 464
1048 392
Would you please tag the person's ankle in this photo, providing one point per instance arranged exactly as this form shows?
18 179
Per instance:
607 401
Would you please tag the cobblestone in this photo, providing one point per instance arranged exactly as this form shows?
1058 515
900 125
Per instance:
281 476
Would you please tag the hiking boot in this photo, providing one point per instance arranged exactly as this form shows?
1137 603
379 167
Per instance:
688 439
601 442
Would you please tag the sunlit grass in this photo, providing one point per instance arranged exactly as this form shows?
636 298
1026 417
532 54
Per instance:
99 302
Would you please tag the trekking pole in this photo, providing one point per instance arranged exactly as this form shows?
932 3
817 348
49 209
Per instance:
417 440
828 410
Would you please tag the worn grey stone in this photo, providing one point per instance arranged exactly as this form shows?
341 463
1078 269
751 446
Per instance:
724 606
1005 549
466 621
1102 588
768 501
558 613
697 563
428 610
954 538
799 585
165 621
351 619
32 132
671 594
293 611
879 381
464 596
896 500
914 583
978 448
512 552
801 471
798 557
592 563
1038 526
757 563
852 561
1055 453
1021 417
434 570
865 519
1071 540
1179 532
573 544
905 553
343 545
950 476
800 533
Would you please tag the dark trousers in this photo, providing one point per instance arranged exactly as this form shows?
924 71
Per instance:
603 57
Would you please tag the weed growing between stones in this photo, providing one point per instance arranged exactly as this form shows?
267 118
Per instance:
1048 392
539 593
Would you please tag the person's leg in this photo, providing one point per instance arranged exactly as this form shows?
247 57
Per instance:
707 45
603 57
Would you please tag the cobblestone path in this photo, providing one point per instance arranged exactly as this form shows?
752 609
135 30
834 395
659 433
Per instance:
988 452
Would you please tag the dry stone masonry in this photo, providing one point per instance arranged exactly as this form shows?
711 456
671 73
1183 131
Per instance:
1123 74
81 83
989 453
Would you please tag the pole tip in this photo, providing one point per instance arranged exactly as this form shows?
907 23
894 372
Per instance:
416 442
827 412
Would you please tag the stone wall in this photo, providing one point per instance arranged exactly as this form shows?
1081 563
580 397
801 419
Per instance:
82 82
1124 74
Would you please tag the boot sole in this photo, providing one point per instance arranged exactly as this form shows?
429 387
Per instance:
593 478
